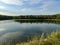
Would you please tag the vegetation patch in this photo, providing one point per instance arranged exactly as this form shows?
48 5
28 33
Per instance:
52 39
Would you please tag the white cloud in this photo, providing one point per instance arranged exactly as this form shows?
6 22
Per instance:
2 29
8 14
26 9
35 1
46 5
43 9
29 11
32 1
14 2
2 7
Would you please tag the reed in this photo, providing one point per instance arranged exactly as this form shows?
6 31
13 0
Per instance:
52 39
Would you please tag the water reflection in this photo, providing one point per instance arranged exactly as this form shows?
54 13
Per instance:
39 21
15 31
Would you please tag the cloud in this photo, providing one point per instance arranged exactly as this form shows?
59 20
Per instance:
14 2
8 14
29 11
25 11
49 7
2 29
35 1
46 5
27 7
2 7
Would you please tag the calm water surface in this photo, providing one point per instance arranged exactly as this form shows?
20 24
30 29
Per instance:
13 32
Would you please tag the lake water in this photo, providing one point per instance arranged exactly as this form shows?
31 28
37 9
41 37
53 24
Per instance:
14 31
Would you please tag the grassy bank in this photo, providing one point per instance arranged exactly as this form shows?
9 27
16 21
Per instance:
52 39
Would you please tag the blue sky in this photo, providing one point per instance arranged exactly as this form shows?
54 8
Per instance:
29 7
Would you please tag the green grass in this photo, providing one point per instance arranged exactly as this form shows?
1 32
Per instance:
52 39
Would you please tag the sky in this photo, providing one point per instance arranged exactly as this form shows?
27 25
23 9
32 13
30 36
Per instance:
29 7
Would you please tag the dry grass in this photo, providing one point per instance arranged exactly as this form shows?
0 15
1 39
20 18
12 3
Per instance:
52 39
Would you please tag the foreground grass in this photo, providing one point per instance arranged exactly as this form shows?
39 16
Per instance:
52 39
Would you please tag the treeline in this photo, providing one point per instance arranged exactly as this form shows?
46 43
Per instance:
56 16
3 17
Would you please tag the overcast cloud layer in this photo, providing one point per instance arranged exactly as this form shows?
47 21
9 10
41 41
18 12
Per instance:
29 7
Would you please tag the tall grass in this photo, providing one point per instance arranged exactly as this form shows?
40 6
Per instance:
52 39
